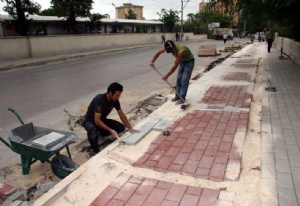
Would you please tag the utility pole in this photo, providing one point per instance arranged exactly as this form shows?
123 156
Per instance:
163 17
181 27
181 35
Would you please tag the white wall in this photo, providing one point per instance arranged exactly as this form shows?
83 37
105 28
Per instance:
290 47
41 46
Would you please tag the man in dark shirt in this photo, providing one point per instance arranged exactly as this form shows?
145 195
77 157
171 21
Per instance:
96 122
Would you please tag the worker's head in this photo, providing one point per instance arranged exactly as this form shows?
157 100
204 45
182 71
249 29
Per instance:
169 46
114 91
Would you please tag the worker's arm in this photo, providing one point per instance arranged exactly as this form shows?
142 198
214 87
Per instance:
102 125
126 122
176 63
156 56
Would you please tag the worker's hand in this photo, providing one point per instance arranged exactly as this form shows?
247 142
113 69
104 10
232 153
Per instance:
151 64
134 130
114 134
165 77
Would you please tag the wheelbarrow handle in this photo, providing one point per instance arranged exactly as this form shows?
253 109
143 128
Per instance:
6 143
16 113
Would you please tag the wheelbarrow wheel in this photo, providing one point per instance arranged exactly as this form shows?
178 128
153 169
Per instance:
65 162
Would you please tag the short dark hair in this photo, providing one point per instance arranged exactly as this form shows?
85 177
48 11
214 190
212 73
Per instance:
113 87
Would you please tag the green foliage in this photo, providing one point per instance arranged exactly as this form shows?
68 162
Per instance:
198 23
17 9
169 17
48 12
26 6
97 16
283 15
130 15
71 9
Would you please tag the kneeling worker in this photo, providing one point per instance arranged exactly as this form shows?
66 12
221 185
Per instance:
96 122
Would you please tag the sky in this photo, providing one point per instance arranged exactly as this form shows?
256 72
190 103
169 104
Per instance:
151 7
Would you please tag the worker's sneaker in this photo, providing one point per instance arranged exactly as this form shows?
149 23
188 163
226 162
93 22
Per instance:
180 101
174 99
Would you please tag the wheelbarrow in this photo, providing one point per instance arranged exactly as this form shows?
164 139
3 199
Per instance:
39 143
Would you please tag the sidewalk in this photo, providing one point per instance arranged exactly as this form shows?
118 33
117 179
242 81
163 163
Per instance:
218 153
280 177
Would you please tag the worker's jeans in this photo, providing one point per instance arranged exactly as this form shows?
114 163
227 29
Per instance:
270 41
183 78
93 131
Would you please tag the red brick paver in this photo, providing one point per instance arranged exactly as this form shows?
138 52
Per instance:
237 76
236 96
6 189
202 151
128 190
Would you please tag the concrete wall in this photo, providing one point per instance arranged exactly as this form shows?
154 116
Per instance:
290 47
41 46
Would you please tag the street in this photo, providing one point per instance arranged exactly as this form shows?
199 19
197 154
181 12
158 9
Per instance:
40 94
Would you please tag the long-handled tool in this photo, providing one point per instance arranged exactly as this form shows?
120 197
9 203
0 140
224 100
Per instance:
183 106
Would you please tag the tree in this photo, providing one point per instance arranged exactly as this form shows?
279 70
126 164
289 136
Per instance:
260 14
198 23
169 17
97 16
17 9
71 9
130 15
49 12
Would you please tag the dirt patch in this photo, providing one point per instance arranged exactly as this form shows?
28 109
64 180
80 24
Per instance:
32 184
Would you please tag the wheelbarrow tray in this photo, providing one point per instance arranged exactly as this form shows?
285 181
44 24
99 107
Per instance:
23 138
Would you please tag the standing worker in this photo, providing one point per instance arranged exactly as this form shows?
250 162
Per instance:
96 122
186 62
270 38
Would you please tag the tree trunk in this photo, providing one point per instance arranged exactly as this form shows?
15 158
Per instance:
21 22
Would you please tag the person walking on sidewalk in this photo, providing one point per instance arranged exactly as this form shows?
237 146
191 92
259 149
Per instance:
163 38
270 38
96 122
224 37
186 61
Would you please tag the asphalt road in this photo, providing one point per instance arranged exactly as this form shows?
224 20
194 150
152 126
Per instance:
41 93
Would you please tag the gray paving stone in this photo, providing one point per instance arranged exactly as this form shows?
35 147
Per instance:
278 144
284 180
266 147
293 149
161 125
294 160
280 154
134 138
287 197
290 141
283 166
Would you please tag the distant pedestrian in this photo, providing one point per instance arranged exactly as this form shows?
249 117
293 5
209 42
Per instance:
270 39
177 36
224 37
163 38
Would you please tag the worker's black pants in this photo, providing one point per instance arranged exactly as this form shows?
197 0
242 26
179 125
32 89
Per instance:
270 41
93 131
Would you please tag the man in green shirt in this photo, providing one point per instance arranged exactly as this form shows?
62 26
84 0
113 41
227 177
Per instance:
186 62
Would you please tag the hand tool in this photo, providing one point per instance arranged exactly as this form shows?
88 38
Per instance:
183 106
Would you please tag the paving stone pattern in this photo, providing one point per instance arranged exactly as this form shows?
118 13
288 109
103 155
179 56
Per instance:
245 66
280 176
200 145
129 190
237 76
236 96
